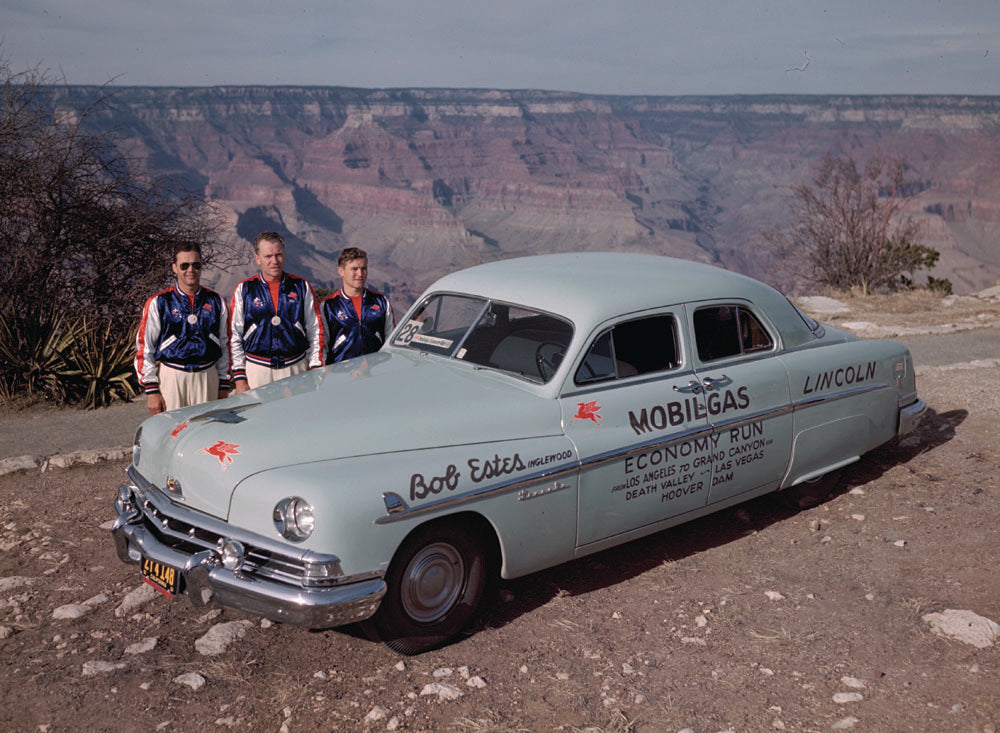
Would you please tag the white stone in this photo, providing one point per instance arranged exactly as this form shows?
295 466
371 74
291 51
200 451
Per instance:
19 463
14 581
476 682
774 595
376 714
218 638
192 679
844 723
442 672
822 304
442 690
95 667
842 698
136 599
853 682
965 626
141 647
71 611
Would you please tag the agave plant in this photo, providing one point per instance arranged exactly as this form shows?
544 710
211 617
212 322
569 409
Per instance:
103 358
33 355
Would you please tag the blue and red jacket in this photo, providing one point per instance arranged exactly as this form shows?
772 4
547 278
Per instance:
187 332
272 336
347 334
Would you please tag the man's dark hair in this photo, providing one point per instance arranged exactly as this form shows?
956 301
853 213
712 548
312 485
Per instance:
186 247
268 237
351 253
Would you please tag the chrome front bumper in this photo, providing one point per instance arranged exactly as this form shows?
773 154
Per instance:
205 579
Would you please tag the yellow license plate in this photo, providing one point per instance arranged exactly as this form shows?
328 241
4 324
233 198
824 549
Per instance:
164 578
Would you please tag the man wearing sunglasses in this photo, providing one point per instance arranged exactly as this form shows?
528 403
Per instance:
182 348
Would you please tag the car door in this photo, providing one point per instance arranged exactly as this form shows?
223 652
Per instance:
636 413
747 398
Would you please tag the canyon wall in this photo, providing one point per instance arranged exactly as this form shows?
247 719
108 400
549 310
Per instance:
430 180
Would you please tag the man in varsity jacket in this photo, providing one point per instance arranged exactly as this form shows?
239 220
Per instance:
275 330
182 348
357 320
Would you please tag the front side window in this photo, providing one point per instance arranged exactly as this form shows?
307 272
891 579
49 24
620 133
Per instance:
502 336
723 331
634 347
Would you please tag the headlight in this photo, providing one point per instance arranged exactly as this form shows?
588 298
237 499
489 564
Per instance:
293 518
135 446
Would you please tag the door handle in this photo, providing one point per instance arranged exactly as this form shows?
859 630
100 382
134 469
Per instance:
694 387
713 382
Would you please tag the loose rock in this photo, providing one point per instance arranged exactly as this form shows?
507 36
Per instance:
218 638
96 667
71 611
966 626
141 647
192 679
135 600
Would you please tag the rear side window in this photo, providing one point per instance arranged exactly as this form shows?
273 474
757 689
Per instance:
634 347
729 330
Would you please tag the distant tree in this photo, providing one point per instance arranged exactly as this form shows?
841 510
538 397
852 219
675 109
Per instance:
848 227
84 231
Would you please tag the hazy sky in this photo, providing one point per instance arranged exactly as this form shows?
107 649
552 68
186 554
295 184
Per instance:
610 47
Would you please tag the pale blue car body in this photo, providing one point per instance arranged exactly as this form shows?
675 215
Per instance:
546 466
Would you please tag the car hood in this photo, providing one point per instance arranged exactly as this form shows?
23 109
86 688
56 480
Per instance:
384 402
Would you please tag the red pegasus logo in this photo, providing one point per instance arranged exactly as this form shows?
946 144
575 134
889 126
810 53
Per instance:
177 431
223 451
588 411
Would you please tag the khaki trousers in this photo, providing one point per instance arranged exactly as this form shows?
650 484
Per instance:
180 388
258 375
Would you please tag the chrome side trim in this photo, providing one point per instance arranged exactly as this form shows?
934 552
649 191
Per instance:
834 396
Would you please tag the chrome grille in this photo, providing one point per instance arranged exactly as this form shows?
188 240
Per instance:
185 537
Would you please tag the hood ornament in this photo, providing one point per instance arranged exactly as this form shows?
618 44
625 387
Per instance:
174 486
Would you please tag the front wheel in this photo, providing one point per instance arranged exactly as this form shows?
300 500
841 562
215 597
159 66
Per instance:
435 583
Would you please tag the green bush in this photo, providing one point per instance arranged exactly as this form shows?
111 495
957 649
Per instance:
102 358
32 356
53 358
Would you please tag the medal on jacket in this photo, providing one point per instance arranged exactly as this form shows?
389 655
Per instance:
276 321
192 319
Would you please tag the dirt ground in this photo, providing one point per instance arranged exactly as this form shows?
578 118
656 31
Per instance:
754 619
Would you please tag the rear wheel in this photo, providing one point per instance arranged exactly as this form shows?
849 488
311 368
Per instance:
435 583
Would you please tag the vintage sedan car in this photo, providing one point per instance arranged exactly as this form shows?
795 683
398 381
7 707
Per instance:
523 413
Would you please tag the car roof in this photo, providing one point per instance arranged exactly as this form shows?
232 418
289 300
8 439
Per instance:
592 287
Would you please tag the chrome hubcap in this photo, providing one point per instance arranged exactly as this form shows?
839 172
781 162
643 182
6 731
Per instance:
432 582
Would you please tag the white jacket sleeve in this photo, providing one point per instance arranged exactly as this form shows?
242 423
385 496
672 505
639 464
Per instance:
237 356
314 329
222 364
146 342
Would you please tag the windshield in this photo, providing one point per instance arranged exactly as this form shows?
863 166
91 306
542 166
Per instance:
497 335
